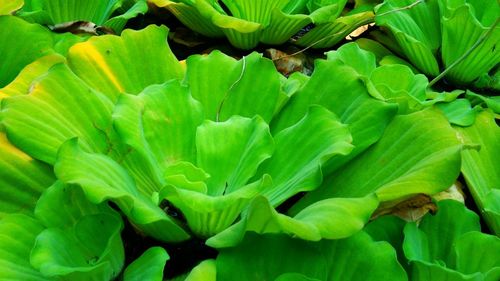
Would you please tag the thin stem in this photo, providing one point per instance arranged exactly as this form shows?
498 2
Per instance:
219 109
466 54
402 8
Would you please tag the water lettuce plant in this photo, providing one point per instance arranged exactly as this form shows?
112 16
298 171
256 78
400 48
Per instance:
442 246
111 14
479 167
247 23
117 159
462 50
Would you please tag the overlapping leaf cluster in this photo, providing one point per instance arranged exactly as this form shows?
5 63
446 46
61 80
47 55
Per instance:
246 23
99 131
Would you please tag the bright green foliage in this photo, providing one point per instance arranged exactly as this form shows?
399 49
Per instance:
459 112
445 246
22 179
349 98
354 258
148 267
205 271
332 218
113 65
18 238
328 33
127 152
418 153
99 130
10 6
50 12
81 240
480 167
17 47
246 23
65 108
71 239
464 45
104 179
227 93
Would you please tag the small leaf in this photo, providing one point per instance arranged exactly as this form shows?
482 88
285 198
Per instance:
300 152
205 271
113 65
103 179
333 218
148 267
459 112
418 153
479 167
18 233
326 260
230 93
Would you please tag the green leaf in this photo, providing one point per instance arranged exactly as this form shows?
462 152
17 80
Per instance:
21 84
190 17
348 98
10 6
160 123
479 167
300 152
445 246
351 54
459 112
59 107
492 102
294 277
390 229
53 12
60 206
102 179
205 271
414 29
148 267
208 215
451 221
20 44
398 84
18 234
228 93
118 22
231 151
113 65
333 218
91 250
462 27
22 179
268 257
489 261
283 26
246 23
61 11
374 47
333 31
418 153
82 240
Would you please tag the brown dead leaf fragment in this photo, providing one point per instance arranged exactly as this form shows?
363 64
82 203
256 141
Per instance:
411 209
81 27
287 63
